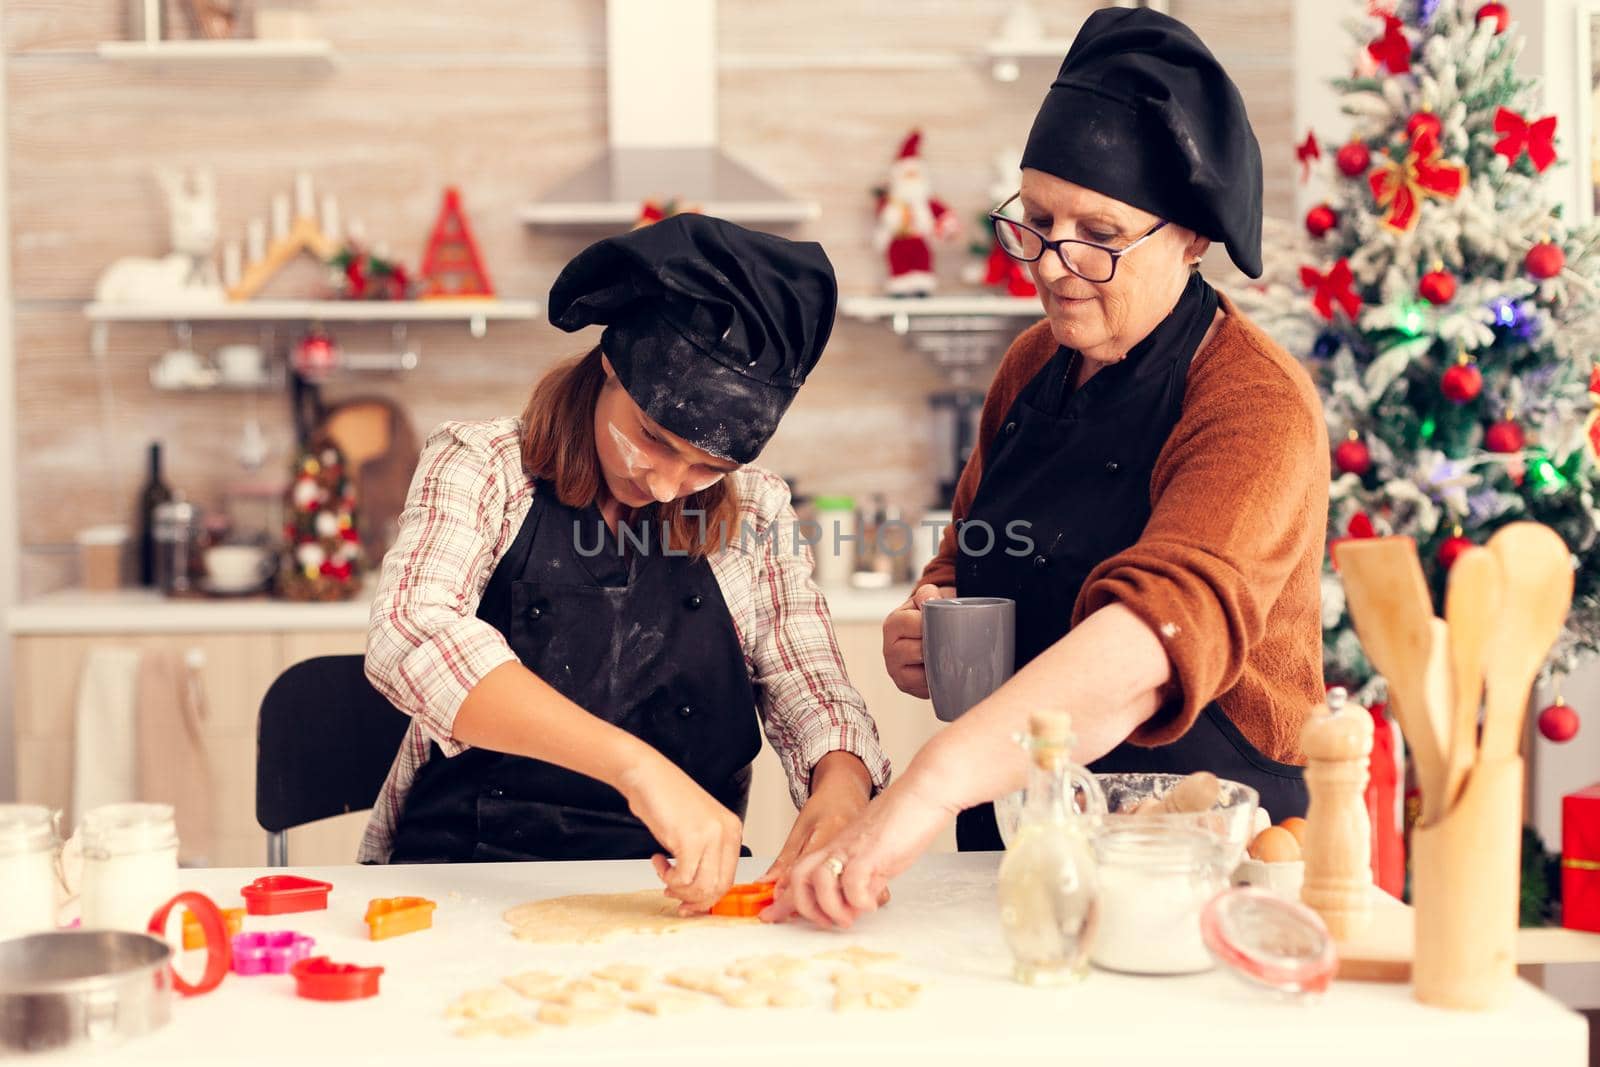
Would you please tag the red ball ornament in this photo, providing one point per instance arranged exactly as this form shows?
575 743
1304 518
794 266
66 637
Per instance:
1437 287
1353 456
1461 383
1353 159
1423 121
1558 722
1498 13
1452 547
1544 260
1321 219
1504 436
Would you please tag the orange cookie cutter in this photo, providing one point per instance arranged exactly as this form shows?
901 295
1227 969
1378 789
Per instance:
194 935
393 916
745 901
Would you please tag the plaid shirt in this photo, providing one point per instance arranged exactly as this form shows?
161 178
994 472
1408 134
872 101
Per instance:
426 647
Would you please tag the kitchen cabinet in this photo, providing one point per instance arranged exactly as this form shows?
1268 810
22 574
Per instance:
242 646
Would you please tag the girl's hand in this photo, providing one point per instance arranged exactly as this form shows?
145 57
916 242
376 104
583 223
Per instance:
701 835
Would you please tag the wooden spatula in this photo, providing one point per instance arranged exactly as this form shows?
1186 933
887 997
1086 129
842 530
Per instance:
1472 609
1537 570
1389 604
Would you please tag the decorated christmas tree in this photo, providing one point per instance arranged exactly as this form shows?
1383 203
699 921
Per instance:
1445 308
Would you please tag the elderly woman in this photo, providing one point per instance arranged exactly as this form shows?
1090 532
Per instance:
583 613
1168 458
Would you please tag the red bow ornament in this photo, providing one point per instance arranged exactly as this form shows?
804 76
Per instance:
1334 287
1393 49
1307 152
1538 138
1401 187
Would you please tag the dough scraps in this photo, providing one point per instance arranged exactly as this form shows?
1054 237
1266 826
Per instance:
535 985
856 956
766 969
499 1026
592 917
628 976
872 989
483 1004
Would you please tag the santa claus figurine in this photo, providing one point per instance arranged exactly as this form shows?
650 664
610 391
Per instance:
908 218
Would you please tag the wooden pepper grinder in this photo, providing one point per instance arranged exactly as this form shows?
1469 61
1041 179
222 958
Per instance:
1337 741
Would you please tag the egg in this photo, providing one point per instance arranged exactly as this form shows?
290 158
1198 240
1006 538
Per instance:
1275 845
1296 826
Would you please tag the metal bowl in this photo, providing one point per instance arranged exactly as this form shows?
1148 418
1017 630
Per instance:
74 987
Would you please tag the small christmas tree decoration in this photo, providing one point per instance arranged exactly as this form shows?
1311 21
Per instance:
1558 722
452 269
1496 13
1307 152
1518 135
1353 159
322 546
1505 436
1438 286
1334 287
1452 547
1544 260
1393 48
1462 383
1423 122
1321 219
1352 456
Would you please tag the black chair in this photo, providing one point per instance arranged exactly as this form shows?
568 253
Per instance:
324 744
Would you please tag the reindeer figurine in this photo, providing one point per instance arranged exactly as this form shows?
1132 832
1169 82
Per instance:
187 274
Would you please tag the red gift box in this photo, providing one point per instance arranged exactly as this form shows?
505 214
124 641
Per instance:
1580 859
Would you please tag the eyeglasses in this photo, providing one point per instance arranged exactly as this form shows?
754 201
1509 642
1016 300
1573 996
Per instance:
1089 261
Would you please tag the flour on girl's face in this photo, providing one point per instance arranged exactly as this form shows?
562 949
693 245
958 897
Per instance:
632 455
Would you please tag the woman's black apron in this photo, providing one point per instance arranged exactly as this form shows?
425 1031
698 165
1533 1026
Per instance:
1075 465
641 638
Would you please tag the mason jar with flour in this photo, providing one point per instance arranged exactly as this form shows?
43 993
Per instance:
130 864
27 869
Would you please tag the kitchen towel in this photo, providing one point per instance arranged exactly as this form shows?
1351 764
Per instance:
173 766
103 746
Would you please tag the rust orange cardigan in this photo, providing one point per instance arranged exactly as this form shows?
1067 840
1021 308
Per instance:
1228 569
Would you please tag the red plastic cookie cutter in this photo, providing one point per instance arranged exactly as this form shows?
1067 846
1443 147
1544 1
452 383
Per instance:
393 916
280 894
745 901
219 954
269 953
319 978
194 936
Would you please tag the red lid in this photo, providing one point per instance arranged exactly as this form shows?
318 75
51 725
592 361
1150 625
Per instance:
319 978
1269 941
279 894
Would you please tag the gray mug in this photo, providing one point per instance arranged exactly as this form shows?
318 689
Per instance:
969 646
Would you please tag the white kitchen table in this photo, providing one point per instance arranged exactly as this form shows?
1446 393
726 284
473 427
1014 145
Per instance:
943 922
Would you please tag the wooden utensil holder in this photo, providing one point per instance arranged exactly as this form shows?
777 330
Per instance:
1466 874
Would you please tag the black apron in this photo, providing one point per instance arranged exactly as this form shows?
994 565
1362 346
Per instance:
1076 466
642 639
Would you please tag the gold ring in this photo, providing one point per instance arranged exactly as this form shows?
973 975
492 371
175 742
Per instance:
835 866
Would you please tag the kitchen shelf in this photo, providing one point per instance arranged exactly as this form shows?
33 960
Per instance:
477 314
241 52
958 311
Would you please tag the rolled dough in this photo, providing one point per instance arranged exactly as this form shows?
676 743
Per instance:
592 917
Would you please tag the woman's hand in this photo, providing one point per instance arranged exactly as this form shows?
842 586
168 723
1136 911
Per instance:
840 789
835 885
902 640
701 835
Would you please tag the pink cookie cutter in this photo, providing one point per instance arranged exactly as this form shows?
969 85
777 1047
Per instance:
269 953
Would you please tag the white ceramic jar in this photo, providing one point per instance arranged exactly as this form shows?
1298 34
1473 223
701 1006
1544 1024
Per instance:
28 896
130 864
834 554
1155 881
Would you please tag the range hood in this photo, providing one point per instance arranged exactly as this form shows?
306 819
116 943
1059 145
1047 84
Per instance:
661 104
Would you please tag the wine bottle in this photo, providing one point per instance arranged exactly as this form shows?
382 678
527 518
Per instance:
154 494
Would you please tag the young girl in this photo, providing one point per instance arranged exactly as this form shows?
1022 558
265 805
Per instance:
590 610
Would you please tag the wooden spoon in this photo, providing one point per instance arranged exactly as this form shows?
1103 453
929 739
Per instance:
1472 608
1537 568
1389 605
